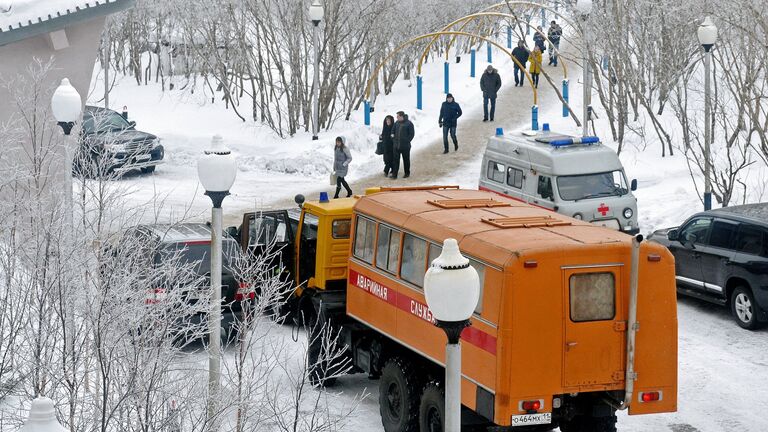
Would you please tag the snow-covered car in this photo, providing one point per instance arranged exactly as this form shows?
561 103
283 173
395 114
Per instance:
722 256
111 144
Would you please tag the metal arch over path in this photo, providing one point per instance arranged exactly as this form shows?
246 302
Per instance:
404 45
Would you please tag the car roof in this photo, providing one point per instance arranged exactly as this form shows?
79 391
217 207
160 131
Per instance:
757 213
98 110
182 233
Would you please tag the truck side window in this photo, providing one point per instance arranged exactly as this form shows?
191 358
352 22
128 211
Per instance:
413 265
388 249
545 187
365 233
266 229
592 297
341 228
515 177
434 252
496 171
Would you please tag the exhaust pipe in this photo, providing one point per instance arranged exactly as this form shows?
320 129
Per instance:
632 324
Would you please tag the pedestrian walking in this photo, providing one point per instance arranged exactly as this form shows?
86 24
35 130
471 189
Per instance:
539 39
450 112
535 68
554 34
403 133
341 160
386 139
490 84
520 53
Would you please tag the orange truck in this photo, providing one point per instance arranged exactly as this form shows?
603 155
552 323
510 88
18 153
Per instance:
574 321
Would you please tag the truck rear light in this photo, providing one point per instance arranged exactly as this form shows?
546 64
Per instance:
650 396
531 405
244 292
155 296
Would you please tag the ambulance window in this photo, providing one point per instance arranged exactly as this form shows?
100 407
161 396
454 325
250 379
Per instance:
388 249
341 228
413 264
365 232
545 188
496 171
515 177
434 252
592 297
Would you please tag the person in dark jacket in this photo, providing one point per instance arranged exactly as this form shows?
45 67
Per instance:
520 53
539 39
402 135
386 138
341 159
449 114
490 84
554 34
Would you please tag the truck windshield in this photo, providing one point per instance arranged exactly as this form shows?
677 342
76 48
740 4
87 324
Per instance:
585 186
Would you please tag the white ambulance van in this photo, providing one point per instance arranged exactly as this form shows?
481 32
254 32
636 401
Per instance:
575 176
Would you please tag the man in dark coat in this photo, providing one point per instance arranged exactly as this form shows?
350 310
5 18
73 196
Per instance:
520 53
554 34
402 134
490 84
539 39
449 114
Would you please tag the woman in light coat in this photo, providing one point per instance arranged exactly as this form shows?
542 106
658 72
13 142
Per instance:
341 160
535 67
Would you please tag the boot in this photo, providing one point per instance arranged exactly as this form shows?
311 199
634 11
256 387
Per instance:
455 146
336 195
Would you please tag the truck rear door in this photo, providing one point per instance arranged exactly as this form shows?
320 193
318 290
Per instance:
594 347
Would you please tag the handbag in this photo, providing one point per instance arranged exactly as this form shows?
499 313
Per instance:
333 179
380 148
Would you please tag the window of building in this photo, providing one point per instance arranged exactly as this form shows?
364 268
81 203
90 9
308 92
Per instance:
365 235
496 171
515 177
414 265
388 249
722 234
593 297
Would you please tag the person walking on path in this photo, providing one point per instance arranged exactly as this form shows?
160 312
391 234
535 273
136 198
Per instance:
539 39
450 112
341 160
554 34
403 134
535 68
490 84
386 138
521 53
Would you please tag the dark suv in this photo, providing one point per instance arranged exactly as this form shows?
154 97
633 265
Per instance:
722 256
111 144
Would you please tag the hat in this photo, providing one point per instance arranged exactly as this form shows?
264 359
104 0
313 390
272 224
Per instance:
449 96
489 68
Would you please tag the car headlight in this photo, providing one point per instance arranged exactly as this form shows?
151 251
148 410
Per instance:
156 142
628 213
578 216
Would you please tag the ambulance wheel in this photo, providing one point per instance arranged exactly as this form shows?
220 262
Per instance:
399 396
432 408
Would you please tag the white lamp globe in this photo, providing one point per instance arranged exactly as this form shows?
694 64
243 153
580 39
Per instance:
66 103
316 11
707 33
451 285
42 417
584 7
217 167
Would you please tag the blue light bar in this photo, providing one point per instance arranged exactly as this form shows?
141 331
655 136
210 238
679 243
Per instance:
572 141
323 197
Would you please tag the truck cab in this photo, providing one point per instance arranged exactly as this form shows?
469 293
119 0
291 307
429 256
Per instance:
577 177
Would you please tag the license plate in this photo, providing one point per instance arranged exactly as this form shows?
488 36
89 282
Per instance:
531 419
142 158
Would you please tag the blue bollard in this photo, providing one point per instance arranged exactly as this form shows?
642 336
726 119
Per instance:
528 27
447 77
367 113
543 18
509 37
535 118
490 53
606 62
565 98
419 92
472 55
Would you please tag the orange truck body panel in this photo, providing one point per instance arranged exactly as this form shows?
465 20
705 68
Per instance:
523 345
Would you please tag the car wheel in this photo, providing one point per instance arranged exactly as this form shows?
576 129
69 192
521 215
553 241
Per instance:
744 308
148 170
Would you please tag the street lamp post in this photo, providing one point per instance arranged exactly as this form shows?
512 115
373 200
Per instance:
216 169
316 15
707 34
452 289
42 417
584 7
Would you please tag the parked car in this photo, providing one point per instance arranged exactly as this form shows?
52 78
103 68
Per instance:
111 144
722 256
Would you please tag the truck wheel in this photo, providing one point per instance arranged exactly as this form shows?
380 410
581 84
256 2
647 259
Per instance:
432 408
744 308
320 372
399 394
148 170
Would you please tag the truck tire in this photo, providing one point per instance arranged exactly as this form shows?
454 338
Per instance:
432 408
321 373
744 308
399 396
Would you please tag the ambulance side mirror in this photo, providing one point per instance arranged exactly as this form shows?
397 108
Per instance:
633 185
